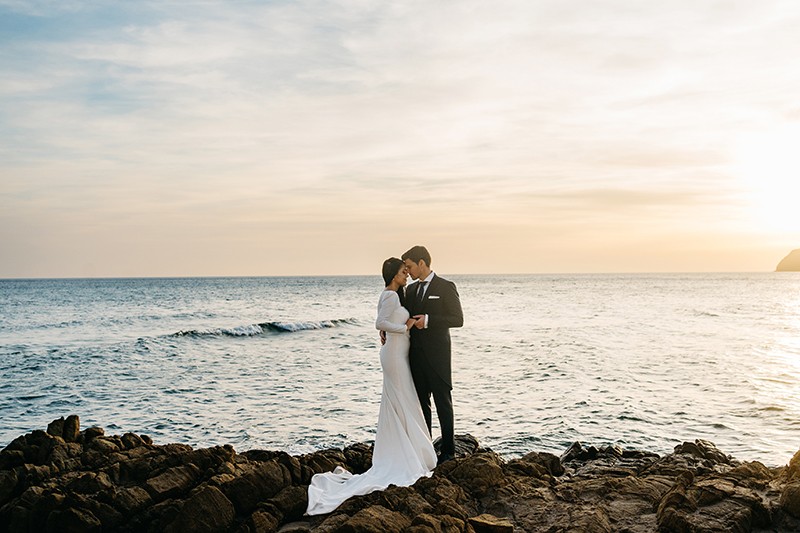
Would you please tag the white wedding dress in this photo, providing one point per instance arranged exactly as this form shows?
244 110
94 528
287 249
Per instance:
403 450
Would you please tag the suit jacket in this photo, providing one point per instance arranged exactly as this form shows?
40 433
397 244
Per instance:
430 347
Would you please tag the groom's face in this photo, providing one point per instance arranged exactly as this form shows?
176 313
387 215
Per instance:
413 268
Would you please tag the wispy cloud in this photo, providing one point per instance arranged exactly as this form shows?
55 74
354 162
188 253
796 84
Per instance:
300 114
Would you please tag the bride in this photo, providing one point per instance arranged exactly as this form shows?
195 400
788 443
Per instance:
403 450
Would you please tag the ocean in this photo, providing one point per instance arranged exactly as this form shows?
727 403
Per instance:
645 361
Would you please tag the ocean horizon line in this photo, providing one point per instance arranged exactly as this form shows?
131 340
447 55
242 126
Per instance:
297 276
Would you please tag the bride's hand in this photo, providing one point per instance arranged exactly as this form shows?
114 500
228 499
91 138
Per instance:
410 323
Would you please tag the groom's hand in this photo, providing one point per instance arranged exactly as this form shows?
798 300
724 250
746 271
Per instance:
383 337
420 323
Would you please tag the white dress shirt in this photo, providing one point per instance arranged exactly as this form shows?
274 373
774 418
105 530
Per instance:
425 290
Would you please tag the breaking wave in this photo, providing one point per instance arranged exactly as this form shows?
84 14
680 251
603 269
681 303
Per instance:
265 327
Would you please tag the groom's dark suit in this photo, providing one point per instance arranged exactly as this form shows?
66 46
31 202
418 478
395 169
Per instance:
430 351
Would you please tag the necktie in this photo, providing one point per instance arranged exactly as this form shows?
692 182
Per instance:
421 292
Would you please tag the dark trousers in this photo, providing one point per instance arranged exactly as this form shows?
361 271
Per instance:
428 385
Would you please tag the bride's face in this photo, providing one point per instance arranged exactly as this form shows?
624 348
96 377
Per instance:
402 276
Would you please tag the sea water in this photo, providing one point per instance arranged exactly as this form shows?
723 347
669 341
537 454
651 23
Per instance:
645 361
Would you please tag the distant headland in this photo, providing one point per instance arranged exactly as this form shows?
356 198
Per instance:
790 263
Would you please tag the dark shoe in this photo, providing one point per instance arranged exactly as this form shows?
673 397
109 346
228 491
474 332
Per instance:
444 458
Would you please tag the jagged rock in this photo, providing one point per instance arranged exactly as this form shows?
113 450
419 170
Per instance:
291 502
8 483
704 450
56 427
295 527
479 473
487 523
92 433
73 519
709 503
72 428
331 524
359 457
790 499
132 499
127 484
262 522
426 523
207 510
377 519
132 440
540 465
260 483
103 445
90 483
793 471
577 451
173 482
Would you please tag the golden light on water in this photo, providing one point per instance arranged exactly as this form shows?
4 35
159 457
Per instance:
768 165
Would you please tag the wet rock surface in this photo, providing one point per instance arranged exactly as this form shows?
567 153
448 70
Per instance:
65 479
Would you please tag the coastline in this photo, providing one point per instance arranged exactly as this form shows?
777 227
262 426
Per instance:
68 479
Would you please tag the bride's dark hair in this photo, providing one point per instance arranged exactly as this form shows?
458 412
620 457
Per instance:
390 269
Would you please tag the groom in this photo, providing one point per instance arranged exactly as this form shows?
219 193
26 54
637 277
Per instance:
434 302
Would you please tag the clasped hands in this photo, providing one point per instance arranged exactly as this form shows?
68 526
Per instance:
417 321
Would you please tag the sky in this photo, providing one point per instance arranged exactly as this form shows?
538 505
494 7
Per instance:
194 138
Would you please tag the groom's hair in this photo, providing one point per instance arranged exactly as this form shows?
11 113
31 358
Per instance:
417 254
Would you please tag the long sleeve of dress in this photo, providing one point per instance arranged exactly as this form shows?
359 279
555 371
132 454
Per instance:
387 304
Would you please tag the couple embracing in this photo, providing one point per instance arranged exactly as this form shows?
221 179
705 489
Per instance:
415 324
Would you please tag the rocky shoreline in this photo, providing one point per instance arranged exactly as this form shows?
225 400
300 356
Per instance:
65 479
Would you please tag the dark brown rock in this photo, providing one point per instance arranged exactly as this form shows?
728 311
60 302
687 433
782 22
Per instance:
376 519
295 527
206 511
260 483
8 484
103 445
72 428
793 470
132 440
126 484
544 466
291 502
132 499
487 523
56 427
11 458
358 457
73 520
790 499
478 473
109 517
711 503
703 449
262 522
174 482
90 483
92 433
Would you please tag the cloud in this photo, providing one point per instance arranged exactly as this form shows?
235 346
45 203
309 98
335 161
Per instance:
326 113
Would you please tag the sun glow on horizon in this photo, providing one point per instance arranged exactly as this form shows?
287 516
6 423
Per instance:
768 165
